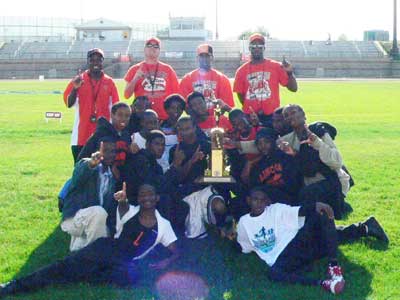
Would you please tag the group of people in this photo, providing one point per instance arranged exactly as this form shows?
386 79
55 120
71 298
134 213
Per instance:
135 181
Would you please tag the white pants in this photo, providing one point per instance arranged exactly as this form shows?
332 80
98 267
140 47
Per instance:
86 226
198 213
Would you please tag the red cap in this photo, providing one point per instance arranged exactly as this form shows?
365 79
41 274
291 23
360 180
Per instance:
257 36
205 49
153 40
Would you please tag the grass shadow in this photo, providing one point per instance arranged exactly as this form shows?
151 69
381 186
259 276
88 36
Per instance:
228 274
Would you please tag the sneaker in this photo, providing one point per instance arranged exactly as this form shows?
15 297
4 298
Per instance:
8 288
335 286
374 229
335 272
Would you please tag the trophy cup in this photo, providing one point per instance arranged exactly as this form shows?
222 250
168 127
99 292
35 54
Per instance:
216 171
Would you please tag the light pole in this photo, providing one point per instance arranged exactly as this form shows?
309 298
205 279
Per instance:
394 52
216 20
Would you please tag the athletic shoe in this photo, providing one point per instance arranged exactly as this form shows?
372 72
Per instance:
8 288
335 286
373 228
335 272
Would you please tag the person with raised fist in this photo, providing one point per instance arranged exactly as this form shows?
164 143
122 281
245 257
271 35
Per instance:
91 93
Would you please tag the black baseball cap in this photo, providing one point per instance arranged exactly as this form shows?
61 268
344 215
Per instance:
95 51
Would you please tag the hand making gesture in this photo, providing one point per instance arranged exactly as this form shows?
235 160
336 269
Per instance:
120 196
97 157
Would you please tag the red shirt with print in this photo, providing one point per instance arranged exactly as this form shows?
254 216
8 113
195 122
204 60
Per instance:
208 83
259 84
94 98
159 82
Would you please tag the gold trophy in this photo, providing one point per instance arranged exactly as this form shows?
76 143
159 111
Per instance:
216 171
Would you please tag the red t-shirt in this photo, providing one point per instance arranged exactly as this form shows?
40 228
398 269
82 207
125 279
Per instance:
250 138
93 98
208 83
259 84
160 81
210 123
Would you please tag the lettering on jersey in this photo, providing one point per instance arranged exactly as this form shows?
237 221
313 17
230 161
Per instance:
258 86
265 240
159 84
207 88
272 175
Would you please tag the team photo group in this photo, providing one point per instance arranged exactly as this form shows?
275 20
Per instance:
198 156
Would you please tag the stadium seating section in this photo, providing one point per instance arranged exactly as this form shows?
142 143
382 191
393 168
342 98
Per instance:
63 59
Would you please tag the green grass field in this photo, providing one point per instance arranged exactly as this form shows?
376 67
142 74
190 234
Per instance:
35 161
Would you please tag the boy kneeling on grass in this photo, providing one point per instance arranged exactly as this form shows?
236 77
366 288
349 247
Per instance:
288 238
110 260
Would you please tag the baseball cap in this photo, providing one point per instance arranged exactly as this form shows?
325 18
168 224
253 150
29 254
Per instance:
153 40
257 36
94 51
205 49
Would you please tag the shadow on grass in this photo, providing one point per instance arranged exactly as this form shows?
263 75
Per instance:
358 281
203 258
227 273
56 247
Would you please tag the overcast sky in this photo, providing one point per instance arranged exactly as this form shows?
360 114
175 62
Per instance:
285 19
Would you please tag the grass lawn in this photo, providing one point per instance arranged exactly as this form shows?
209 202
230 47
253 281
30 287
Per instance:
35 161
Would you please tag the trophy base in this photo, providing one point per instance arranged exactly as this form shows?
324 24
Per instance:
209 179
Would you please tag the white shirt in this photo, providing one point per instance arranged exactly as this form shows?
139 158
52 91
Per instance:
139 140
165 236
105 181
269 233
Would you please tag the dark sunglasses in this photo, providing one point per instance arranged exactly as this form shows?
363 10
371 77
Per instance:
256 46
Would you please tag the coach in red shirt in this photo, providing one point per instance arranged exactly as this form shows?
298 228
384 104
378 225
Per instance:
152 78
211 83
92 93
257 81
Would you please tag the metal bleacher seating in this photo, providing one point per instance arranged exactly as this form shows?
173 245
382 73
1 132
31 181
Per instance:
8 50
80 48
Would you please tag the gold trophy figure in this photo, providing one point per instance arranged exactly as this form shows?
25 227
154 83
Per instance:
216 172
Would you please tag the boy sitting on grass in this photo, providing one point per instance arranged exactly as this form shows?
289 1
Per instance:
110 260
288 238
88 206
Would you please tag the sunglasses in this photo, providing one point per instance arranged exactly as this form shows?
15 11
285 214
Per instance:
256 46
155 46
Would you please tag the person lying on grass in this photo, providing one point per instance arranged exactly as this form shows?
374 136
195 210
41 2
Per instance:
111 260
289 238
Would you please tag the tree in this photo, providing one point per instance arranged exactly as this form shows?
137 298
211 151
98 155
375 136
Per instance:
343 38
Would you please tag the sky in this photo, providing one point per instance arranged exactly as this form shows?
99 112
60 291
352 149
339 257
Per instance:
284 19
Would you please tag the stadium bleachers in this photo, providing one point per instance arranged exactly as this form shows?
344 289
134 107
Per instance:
44 50
310 58
8 51
187 49
79 48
